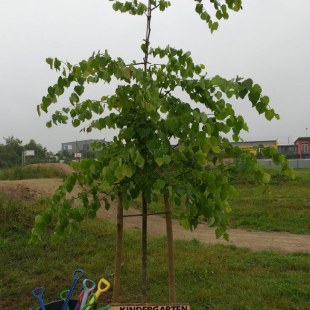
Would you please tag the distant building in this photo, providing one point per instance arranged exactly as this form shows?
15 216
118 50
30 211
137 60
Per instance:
78 147
254 146
290 151
303 146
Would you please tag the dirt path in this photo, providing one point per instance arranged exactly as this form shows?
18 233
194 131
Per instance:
254 240
277 241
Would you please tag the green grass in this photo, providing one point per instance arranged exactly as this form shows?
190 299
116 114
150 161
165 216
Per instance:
208 277
284 207
30 172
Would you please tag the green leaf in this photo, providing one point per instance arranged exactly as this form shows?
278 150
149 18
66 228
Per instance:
167 159
205 16
143 48
216 149
70 182
76 123
50 62
218 14
59 90
247 84
79 89
254 95
159 184
123 171
219 232
265 100
160 161
265 178
214 26
185 223
269 114
226 236
57 64
74 98
141 8
199 8
127 72
139 160
107 205
117 6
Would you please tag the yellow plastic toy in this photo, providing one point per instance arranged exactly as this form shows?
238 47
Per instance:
103 286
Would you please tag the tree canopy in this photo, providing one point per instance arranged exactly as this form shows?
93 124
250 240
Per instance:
164 143
166 147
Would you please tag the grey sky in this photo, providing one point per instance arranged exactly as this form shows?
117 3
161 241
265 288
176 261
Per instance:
267 41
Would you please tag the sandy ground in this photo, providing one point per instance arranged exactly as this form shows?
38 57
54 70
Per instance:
255 240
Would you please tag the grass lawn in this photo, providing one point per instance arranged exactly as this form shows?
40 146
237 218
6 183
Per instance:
208 277
284 207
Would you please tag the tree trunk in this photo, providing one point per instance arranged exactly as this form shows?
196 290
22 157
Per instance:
119 251
144 284
171 273
144 249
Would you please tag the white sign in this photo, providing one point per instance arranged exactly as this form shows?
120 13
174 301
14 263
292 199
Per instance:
67 147
29 153
149 307
77 155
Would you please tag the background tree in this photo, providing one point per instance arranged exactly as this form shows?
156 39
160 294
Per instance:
11 152
40 152
167 148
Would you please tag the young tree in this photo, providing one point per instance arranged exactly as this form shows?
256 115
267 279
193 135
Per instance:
166 148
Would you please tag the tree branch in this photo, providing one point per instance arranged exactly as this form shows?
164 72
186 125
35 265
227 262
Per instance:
147 35
155 7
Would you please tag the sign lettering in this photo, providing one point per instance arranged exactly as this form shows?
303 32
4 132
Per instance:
149 307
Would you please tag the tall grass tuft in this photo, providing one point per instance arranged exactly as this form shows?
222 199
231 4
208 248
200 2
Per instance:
30 172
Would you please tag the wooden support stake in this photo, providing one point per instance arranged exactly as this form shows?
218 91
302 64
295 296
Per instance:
171 272
144 249
119 251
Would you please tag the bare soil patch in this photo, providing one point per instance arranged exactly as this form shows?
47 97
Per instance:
30 189
254 240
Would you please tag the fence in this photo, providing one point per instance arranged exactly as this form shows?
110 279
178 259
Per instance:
293 163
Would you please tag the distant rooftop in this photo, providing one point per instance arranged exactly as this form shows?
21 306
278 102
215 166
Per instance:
302 139
86 140
250 143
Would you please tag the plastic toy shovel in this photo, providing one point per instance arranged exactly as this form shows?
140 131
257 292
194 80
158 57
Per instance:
38 293
103 286
77 275
89 286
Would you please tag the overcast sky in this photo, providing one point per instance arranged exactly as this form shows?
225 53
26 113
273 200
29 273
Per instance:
267 41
